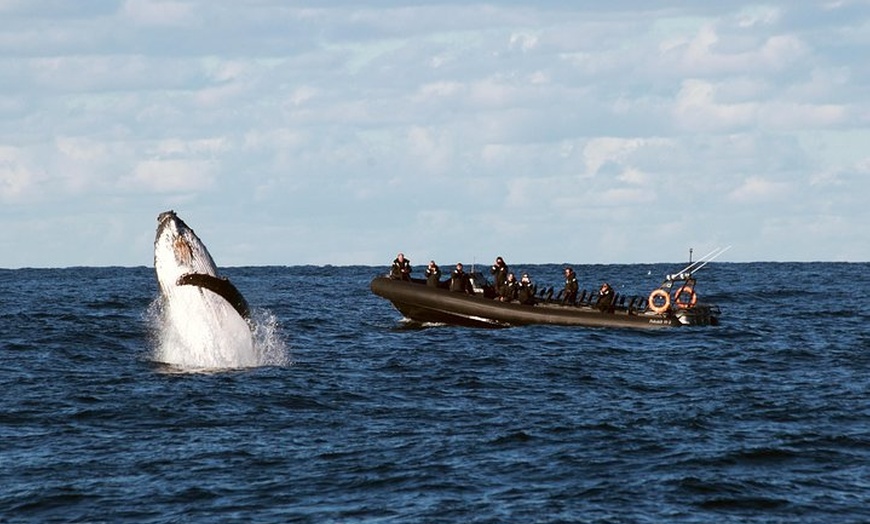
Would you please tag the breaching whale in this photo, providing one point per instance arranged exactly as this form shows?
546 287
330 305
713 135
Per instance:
204 317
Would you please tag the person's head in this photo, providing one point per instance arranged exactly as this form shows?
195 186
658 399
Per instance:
499 261
459 266
525 277
568 270
431 263
511 277
400 256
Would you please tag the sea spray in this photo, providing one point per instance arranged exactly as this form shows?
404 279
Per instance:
269 346
180 340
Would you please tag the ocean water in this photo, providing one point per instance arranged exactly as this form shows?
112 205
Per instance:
357 416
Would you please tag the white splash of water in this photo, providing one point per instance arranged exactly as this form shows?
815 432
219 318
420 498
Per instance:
269 346
185 336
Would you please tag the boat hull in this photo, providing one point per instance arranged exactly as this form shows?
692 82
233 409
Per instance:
421 303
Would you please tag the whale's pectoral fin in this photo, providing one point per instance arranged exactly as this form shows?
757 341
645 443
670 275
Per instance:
219 286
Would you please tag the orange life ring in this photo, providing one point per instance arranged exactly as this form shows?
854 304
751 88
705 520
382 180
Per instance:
659 293
685 304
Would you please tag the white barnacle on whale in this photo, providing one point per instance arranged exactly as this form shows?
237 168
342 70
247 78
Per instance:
204 320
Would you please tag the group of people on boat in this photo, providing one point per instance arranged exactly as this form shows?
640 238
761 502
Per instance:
459 279
507 287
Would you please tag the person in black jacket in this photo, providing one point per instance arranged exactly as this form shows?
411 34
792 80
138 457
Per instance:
401 269
508 291
500 272
526 291
460 282
433 274
569 294
606 295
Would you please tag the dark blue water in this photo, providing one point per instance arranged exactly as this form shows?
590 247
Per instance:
765 418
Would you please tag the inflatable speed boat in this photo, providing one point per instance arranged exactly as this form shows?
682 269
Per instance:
674 303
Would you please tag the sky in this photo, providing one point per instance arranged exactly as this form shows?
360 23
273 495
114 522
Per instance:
344 131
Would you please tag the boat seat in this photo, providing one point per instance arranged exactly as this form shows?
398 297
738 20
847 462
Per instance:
637 305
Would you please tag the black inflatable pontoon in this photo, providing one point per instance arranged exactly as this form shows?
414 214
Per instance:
663 308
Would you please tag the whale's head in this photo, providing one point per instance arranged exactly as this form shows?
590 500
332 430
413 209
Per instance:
178 251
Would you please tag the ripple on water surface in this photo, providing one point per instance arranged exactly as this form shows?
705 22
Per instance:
760 419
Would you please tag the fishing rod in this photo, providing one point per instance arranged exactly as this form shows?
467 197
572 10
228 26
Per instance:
700 260
711 259
698 264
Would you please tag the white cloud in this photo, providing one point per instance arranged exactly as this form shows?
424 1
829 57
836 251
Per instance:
81 149
626 196
302 95
176 146
492 93
601 151
635 177
795 117
711 53
523 41
159 12
173 176
759 15
696 109
272 140
20 177
433 152
438 90
519 192
756 189
327 121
